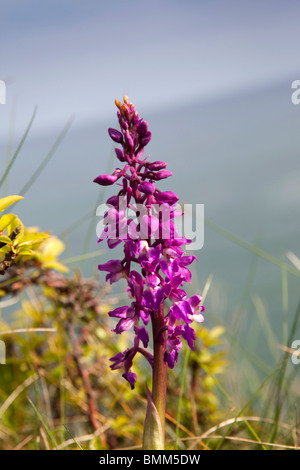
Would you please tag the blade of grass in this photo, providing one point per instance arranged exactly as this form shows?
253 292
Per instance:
285 304
244 419
46 428
251 441
254 249
76 224
250 355
185 367
249 401
265 325
293 259
100 200
10 143
246 292
11 398
279 388
47 158
85 256
62 401
182 389
74 439
13 159
26 330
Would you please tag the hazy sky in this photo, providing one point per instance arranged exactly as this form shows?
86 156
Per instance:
76 57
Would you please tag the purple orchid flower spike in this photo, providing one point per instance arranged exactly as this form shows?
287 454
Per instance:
154 264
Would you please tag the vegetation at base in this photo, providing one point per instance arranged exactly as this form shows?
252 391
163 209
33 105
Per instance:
57 390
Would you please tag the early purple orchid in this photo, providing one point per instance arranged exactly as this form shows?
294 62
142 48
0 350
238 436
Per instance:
154 263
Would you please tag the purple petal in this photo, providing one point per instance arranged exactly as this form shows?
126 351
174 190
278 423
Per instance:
194 301
189 335
135 285
113 201
179 311
111 266
180 241
156 166
121 312
114 277
167 197
152 280
186 260
169 267
146 139
142 334
152 297
115 135
131 378
149 259
163 174
120 155
185 274
129 139
124 325
177 295
145 316
105 180
113 242
118 360
170 358
149 226
146 187
197 317
142 128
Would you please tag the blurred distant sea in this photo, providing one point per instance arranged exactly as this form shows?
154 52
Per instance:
239 156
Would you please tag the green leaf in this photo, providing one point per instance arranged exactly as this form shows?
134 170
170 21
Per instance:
25 251
55 265
32 238
8 201
4 239
43 422
13 159
16 222
153 438
5 221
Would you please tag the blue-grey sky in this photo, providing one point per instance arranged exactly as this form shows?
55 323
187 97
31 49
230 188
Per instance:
224 66
74 57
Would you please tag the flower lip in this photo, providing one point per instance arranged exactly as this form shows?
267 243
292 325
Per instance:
111 266
197 317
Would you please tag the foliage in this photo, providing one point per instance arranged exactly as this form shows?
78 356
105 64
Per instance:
58 392
57 383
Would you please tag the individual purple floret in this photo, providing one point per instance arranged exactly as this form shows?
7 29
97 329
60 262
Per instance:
154 263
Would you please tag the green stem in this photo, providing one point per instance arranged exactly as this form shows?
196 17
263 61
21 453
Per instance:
159 376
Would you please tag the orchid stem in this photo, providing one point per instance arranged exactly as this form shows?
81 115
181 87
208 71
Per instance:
159 381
